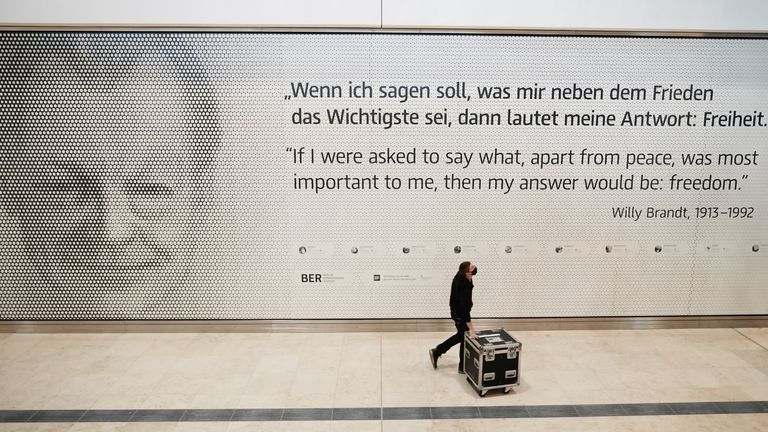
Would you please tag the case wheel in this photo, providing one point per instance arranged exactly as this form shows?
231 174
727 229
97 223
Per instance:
482 393
507 389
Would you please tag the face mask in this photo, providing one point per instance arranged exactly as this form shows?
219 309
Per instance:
474 272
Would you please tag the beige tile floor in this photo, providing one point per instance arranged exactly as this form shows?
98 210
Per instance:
122 371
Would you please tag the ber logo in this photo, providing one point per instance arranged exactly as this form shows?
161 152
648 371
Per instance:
311 277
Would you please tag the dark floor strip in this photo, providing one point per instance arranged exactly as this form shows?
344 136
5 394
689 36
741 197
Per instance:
387 413
106 416
56 416
504 412
257 415
743 407
307 414
647 409
157 415
357 414
207 415
616 410
19 416
695 408
455 412
546 411
406 413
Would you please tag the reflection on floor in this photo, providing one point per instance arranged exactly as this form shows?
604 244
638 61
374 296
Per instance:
287 372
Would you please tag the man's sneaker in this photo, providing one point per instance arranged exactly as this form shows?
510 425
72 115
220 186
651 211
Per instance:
461 370
432 358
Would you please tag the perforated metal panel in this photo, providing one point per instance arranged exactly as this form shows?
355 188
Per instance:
147 175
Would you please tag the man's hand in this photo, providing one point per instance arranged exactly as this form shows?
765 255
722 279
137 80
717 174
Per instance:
471 328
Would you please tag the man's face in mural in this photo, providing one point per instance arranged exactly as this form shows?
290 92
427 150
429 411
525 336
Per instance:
108 202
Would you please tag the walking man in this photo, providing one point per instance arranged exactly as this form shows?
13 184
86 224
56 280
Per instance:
461 305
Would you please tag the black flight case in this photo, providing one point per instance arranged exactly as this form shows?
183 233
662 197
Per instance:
492 361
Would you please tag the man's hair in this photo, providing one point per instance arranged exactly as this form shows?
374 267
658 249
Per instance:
31 63
464 267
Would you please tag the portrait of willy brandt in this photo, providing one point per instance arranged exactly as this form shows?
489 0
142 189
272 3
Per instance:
109 142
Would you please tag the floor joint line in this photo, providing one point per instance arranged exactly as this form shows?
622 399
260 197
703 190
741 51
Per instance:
750 339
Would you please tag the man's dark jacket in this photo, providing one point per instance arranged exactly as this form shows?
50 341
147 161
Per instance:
461 298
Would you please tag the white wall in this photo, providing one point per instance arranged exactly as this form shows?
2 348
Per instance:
731 15
686 15
193 12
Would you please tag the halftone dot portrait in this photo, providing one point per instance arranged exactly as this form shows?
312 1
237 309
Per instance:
109 142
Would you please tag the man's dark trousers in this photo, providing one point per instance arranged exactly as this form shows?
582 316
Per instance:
458 338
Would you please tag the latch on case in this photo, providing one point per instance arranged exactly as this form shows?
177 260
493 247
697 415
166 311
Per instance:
512 353
490 355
